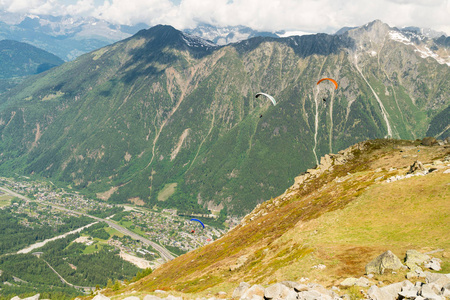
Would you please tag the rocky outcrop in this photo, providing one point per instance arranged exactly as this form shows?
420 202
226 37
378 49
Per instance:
327 162
429 141
416 166
386 261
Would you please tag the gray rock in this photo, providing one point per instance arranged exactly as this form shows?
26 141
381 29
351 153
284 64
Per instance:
35 297
362 282
348 282
171 297
16 298
440 280
323 291
411 275
254 292
416 166
298 287
151 297
313 295
292 295
415 257
387 260
101 297
429 141
239 263
132 298
409 294
433 264
375 293
428 293
395 288
240 290
445 291
276 291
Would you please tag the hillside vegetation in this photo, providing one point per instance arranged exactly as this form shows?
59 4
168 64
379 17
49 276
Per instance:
163 109
342 215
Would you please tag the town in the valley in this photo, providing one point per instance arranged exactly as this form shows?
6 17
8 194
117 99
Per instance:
38 204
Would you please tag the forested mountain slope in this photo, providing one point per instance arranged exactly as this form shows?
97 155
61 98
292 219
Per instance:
172 119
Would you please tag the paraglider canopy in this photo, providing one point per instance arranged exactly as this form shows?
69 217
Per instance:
268 96
203 225
330 79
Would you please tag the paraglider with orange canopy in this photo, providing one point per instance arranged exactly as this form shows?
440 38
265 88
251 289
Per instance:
330 79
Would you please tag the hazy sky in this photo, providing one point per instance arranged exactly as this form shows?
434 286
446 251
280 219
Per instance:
270 15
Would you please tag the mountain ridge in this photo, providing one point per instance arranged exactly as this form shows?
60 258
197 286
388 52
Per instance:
140 115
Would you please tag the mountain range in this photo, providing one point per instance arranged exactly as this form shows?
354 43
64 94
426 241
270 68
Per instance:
65 36
171 119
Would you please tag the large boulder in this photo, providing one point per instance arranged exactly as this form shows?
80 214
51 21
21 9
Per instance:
429 141
255 292
240 290
100 297
428 293
298 287
414 258
416 166
385 261
277 291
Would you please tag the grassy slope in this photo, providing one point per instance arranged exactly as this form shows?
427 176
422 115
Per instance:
343 225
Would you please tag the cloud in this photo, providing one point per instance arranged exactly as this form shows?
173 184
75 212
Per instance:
131 12
270 15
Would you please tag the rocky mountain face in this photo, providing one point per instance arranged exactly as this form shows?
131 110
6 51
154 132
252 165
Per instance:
65 36
172 119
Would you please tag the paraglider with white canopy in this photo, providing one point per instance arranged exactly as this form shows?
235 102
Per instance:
268 96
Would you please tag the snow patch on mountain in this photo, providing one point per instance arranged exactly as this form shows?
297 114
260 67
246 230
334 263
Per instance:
421 48
293 33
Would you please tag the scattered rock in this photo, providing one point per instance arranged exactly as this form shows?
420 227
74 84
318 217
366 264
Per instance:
348 282
101 297
428 293
298 287
132 298
387 260
240 290
150 297
413 259
239 263
319 267
254 292
376 293
416 166
433 264
277 291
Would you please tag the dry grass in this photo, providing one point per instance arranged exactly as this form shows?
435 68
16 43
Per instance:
343 225
167 191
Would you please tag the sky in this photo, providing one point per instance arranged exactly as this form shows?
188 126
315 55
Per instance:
265 15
